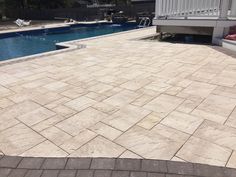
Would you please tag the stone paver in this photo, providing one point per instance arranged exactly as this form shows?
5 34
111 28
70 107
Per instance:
111 167
126 117
202 151
21 139
159 143
164 104
183 122
31 163
231 163
79 122
134 99
99 147
45 149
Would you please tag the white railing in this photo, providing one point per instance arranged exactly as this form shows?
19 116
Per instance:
188 8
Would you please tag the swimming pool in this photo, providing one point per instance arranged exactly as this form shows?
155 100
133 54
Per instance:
19 44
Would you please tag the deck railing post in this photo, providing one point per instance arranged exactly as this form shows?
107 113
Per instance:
157 9
224 8
233 9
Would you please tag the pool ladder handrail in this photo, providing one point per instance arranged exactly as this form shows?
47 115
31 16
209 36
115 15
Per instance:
145 21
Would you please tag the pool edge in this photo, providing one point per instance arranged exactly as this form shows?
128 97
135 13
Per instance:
68 46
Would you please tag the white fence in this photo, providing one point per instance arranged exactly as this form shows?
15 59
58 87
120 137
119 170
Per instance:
188 8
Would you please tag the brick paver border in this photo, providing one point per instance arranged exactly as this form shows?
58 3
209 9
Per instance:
15 166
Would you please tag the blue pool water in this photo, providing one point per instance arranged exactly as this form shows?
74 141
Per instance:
21 44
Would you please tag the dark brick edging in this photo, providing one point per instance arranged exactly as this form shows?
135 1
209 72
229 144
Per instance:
15 166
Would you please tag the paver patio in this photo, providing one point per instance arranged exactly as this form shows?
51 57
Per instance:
121 97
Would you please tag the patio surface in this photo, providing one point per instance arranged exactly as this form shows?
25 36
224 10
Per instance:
122 98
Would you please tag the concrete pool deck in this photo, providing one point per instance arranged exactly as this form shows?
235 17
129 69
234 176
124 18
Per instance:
124 98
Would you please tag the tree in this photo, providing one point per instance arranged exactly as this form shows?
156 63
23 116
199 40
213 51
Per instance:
2 8
48 4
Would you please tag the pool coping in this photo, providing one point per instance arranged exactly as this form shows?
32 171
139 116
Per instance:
66 47
107 167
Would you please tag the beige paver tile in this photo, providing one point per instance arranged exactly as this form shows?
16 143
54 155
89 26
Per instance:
158 86
113 91
45 98
144 91
64 111
56 86
225 78
4 102
216 108
202 76
164 104
18 139
177 159
36 116
212 68
218 134
35 76
231 121
7 122
130 74
47 123
77 80
37 83
112 80
80 103
6 79
45 149
122 98
126 117
189 105
99 147
159 143
95 96
4 92
183 122
173 90
20 97
77 141
55 135
144 99
150 121
135 84
100 71
106 108
225 91
232 161
106 131
201 151
179 82
197 89
19 109
130 155
100 88
58 102
169 132
74 92
77 123
19 89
